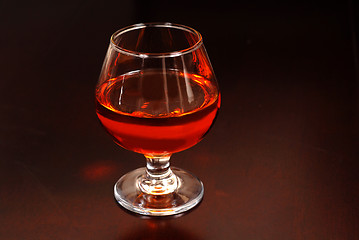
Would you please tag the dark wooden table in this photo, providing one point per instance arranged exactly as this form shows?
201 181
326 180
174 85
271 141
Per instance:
281 161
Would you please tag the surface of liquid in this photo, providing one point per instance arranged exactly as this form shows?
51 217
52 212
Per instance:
155 112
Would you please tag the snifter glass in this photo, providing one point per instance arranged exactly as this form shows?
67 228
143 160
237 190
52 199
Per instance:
157 95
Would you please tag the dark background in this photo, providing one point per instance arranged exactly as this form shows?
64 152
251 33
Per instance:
281 162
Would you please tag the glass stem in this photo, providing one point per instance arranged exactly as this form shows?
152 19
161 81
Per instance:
159 178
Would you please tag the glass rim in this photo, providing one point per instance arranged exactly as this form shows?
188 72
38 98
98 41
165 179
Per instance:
176 53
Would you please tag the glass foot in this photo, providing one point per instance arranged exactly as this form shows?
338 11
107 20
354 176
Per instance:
128 193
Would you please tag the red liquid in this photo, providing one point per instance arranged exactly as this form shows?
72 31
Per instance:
133 108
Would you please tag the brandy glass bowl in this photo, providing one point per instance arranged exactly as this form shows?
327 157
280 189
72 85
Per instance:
157 95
